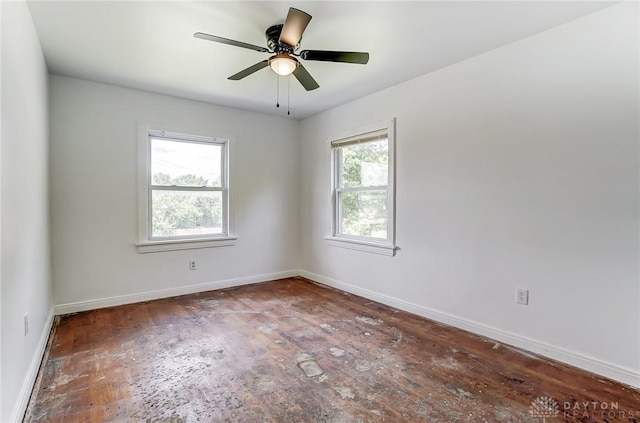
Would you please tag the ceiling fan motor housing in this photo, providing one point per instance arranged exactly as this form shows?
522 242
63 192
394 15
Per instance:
273 36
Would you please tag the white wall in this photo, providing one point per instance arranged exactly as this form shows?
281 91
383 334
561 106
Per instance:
516 168
25 272
94 195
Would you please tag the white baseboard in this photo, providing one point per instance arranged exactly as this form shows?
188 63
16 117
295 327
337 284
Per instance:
590 364
170 292
26 389
609 370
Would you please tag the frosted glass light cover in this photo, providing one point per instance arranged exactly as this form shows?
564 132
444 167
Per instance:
283 65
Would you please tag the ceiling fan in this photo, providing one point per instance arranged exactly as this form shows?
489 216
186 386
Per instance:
283 41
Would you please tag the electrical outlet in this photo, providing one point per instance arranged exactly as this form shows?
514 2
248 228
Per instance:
522 296
26 324
192 265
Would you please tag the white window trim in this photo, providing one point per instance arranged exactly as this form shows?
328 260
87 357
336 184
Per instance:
182 244
147 245
367 244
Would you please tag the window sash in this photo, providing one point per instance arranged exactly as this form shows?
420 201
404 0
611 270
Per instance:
339 189
339 230
224 181
338 156
190 139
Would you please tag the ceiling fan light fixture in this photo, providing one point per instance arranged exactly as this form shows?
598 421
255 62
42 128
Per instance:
283 64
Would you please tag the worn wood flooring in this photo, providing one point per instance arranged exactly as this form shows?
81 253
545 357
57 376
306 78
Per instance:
293 351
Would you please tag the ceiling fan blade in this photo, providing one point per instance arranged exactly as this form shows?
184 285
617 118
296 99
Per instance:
336 56
294 26
222 40
305 78
248 71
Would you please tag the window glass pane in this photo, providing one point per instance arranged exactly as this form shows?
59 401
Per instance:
364 213
185 163
186 213
365 165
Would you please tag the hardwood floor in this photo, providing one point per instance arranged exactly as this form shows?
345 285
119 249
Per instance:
293 351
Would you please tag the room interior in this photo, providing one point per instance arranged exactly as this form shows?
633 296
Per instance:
516 165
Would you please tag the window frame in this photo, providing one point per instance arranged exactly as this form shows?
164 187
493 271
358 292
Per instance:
384 246
146 241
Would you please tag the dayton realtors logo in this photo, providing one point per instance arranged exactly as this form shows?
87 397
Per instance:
548 408
544 408
597 410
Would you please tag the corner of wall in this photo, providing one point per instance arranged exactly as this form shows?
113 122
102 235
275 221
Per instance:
298 229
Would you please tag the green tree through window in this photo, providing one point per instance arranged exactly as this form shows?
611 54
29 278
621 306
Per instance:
363 199
185 212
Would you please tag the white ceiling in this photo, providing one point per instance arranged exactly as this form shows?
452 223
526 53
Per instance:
149 44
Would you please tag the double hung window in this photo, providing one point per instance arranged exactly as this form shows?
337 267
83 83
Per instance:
186 188
363 182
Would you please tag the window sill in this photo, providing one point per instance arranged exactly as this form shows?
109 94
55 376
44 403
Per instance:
368 247
185 244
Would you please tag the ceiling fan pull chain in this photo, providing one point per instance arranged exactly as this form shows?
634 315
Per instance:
288 95
277 90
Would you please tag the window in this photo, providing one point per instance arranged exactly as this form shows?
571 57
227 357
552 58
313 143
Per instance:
184 191
363 189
